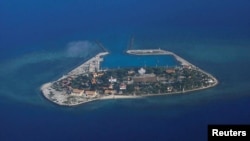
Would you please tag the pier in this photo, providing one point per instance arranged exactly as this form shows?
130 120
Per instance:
91 65
101 46
182 61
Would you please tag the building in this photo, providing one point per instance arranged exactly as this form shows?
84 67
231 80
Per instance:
112 80
170 70
169 88
91 67
93 81
77 92
145 78
111 86
90 93
95 74
187 66
123 86
141 71
131 72
210 81
98 74
161 78
110 92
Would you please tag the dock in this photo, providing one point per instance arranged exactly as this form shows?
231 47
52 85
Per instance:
182 61
101 46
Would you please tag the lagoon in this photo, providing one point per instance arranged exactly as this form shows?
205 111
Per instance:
122 60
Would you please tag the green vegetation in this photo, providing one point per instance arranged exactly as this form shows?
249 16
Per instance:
127 81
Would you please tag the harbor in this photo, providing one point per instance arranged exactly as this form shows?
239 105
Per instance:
68 97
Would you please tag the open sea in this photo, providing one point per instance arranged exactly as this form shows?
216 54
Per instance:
40 40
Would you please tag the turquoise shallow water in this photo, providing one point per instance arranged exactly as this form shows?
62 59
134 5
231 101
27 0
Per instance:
126 60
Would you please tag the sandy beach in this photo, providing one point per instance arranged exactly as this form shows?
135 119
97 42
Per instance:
119 97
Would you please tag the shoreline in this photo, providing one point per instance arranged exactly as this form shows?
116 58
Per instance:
61 98
112 97
46 86
159 52
181 60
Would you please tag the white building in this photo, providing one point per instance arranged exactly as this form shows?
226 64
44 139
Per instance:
123 86
141 71
112 80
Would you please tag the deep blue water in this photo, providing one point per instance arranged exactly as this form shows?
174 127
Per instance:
42 40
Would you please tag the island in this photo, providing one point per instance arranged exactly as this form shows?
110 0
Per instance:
88 82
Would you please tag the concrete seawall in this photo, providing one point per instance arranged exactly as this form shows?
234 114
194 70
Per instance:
159 52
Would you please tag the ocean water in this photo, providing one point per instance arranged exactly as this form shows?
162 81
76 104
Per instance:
122 60
42 40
